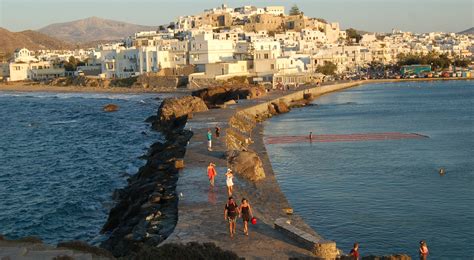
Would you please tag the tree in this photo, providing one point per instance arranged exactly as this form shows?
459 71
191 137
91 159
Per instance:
295 10
328 68
436 60
353 34
460 62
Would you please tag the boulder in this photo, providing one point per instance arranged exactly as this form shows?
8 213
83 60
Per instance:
173 112
281 107
246 164
272 110
308 96
216 96
110 108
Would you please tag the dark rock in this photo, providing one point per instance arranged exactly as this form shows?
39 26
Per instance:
110 108
84 247
308 96
219 95
189 251
387 257
173 112
151 119
155 198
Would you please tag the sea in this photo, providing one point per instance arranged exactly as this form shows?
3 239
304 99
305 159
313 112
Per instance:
61 158
385 194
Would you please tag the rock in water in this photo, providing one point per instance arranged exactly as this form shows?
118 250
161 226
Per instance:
246 164
111 108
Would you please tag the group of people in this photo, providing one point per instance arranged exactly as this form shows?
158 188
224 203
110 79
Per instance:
232 210
423 251
212 173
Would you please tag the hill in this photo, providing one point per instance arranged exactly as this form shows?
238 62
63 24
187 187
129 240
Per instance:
31 40
468 31
93 29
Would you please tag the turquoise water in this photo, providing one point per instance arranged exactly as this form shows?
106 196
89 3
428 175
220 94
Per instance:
386 195
61 158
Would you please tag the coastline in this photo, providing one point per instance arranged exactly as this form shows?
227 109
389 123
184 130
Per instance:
20 87
56 89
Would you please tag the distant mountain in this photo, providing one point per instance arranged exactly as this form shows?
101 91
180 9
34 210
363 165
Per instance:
93 29
468 31
31 40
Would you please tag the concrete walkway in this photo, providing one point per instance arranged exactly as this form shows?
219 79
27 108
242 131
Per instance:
201 209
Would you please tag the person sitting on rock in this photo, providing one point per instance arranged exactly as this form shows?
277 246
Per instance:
231 211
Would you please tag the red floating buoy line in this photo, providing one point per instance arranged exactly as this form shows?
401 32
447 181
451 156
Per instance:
328 138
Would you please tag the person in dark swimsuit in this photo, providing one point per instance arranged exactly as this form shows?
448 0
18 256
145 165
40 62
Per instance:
231 211
246 214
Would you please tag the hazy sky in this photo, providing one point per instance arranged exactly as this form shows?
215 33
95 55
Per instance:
369 15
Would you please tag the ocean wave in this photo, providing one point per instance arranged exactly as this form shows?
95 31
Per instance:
142 98
62 122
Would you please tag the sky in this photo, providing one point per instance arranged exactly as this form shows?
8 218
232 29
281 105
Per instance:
367 15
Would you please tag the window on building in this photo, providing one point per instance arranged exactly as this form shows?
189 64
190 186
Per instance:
272 66
265 56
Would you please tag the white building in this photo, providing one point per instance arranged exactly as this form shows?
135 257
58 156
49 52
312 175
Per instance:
204 49
27 67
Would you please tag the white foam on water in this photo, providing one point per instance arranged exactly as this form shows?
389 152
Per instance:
63 122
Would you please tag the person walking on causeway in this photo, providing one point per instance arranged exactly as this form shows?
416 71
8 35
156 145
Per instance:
246 214
211 173
209 140
229 181
231 211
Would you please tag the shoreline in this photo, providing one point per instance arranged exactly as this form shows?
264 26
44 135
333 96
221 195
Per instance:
92 90
19 87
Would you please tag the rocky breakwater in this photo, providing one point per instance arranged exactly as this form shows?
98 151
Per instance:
245 158
146 210
218 96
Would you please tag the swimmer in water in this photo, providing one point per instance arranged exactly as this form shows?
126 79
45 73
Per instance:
310 136
442 172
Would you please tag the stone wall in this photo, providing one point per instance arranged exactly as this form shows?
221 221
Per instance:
322 249
154 80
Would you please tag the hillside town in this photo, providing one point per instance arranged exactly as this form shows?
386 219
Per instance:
266 45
